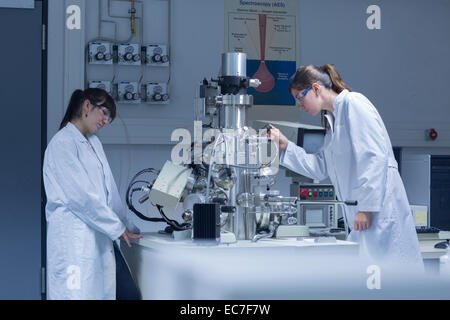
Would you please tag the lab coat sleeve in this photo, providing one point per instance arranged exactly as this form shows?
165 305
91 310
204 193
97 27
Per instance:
117 204
369 152
296 159
78 192
120 209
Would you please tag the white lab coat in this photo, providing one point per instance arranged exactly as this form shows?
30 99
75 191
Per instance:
84 215
357 156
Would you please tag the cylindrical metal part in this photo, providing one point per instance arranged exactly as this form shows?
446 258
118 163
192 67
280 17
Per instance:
234 64
233 112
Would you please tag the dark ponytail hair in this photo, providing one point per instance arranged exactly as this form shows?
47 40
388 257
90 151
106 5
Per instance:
327 75
77 99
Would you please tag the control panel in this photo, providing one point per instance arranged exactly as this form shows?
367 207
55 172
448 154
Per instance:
128 92
157 93
156 55
129 54
316 192
100 53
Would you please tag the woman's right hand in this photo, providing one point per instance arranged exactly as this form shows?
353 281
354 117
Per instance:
275 134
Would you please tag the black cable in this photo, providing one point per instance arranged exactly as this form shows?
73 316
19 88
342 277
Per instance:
174 224
129 196
139 214
129 200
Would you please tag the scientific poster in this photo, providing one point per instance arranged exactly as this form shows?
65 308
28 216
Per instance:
267 32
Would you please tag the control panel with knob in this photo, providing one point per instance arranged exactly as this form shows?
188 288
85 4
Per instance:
100 53
128 92
129 54
157 93
156 55
316 192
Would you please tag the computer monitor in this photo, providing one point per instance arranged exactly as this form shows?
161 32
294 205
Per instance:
309 137
420 214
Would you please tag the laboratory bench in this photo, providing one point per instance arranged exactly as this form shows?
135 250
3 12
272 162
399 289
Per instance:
289 268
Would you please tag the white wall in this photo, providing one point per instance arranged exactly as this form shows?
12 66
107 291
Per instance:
403 68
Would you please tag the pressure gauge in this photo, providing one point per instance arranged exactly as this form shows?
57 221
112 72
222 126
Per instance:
108 56
156 55
156 58
157 93
128 56
99 56
128 96
136 57
99 53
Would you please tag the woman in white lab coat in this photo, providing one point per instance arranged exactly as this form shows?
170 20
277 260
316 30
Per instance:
84 212
357 156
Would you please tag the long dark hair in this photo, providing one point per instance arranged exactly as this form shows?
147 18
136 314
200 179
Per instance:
326 74
77 99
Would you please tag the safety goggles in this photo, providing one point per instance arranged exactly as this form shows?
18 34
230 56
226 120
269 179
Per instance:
301 95
103 109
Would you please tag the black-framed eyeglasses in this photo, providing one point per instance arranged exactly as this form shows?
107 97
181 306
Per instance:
103 109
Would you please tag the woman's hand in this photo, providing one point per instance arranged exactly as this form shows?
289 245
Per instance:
127 235
275 134
362 221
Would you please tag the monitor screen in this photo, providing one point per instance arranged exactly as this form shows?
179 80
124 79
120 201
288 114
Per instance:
310 139
314 217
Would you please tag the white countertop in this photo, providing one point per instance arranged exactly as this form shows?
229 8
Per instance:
155 240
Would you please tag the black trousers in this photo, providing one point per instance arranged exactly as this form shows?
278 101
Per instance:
126 288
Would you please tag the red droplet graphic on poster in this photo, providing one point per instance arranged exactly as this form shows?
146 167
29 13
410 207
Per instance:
263 74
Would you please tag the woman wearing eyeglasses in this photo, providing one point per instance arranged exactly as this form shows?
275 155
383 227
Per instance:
357 156
84 212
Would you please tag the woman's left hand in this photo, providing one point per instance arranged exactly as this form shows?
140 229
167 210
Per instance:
362 221
127 235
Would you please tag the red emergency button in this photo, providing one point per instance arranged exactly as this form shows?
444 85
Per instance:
303 193
315 194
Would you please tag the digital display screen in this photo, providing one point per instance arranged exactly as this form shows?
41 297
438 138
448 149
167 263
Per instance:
314 218
310 140
313 141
